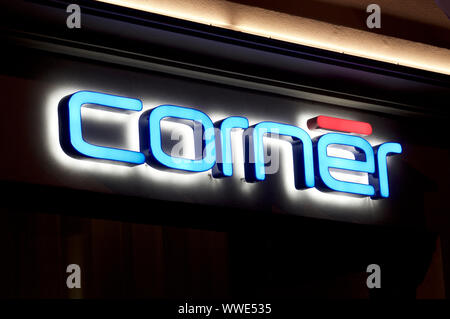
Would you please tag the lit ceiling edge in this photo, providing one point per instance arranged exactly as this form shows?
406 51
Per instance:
299 30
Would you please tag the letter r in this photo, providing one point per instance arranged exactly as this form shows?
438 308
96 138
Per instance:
380 178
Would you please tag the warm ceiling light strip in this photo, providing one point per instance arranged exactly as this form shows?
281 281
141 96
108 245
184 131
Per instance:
299 30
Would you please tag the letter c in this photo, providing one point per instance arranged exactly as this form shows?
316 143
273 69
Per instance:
72 136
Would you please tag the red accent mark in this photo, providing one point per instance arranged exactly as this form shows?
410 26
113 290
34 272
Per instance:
341 125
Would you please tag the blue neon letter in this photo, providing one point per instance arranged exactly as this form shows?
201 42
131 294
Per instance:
326 162
75 102
303 169
224 165
182 113
382 151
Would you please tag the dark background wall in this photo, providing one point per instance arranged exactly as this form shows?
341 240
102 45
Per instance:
236 252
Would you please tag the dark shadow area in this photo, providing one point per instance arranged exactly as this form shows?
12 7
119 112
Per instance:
139 248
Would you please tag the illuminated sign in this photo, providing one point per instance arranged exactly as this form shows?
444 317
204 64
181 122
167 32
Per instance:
311 159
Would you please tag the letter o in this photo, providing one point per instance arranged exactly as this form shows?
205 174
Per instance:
182 113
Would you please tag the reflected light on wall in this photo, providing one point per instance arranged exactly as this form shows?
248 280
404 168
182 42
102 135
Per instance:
299 30
333 199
